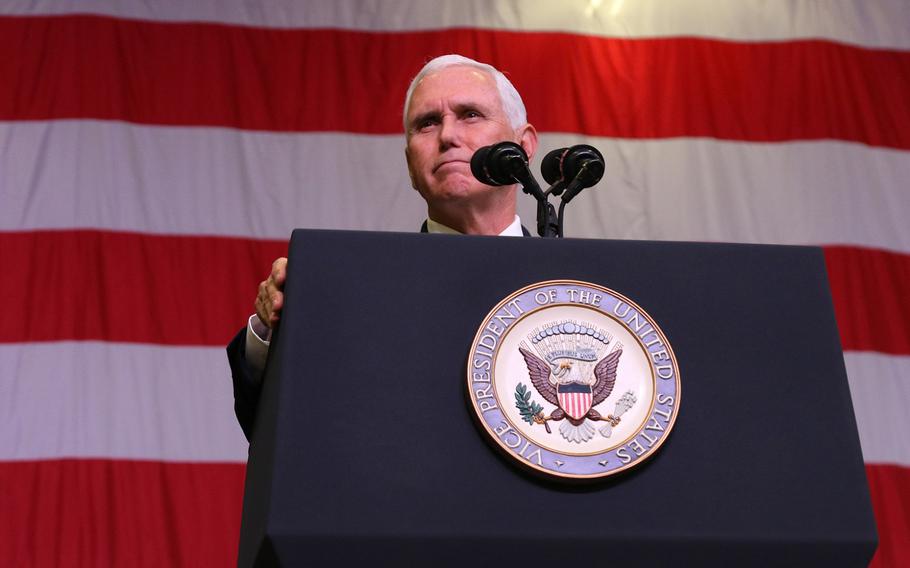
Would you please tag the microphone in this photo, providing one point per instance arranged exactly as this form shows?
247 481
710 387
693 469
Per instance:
500 164
580 166
551 166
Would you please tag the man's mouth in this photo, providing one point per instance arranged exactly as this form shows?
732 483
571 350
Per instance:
445 163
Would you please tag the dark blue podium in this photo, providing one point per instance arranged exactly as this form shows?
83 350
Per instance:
365 452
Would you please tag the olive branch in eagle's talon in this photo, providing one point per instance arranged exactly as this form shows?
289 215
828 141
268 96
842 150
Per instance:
531 412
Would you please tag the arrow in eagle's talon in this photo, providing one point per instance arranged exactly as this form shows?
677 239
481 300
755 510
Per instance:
541 419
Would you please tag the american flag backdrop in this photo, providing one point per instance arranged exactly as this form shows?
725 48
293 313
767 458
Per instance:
154 157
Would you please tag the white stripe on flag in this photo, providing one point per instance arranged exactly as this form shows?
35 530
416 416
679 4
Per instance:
880 387
92 399
876 24
214 181
108 400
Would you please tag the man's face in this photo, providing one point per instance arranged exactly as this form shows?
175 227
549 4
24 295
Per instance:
453 112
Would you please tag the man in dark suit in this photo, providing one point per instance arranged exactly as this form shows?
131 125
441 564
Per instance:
453 107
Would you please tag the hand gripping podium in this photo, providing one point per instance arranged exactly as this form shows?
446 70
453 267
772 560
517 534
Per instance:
365 450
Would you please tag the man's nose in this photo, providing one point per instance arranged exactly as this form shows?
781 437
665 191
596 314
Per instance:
449 133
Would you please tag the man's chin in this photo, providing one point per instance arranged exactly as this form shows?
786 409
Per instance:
456 187
460 193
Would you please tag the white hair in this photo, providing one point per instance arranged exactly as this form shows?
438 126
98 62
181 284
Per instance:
508 95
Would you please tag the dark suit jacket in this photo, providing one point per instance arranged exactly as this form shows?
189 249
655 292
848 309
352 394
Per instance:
246 390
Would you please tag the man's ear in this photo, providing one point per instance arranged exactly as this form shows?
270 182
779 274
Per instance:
528 140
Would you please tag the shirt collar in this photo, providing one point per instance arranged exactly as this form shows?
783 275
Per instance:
513 230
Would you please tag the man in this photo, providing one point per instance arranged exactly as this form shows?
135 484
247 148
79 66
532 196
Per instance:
453 107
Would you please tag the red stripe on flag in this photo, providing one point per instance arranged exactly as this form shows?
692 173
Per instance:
275 79
130 287
120 513
128 513
871 292
195 290
889 486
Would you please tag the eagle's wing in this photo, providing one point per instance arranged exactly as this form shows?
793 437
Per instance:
605 373
539 371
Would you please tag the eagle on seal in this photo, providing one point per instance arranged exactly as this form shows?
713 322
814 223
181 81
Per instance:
573 395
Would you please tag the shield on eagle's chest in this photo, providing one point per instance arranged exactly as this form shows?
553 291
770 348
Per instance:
575 399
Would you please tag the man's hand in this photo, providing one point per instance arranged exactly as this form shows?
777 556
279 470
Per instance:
270 299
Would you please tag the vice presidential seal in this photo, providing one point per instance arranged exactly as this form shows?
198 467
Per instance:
573 380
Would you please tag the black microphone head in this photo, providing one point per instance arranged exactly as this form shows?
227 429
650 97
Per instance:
478 165
499 163
585 160
551 166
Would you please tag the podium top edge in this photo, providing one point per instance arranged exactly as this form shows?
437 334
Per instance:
303 232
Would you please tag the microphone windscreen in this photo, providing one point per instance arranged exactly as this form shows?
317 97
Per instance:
551 166
479 165
505 162
583 157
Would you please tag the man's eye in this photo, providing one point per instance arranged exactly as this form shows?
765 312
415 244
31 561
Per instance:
472 114
426 123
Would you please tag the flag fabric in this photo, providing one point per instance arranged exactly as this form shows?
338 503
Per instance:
154 157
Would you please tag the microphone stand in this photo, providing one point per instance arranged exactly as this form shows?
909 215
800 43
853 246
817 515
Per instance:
548 224
584 178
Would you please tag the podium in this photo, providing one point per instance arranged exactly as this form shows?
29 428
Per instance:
365 449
